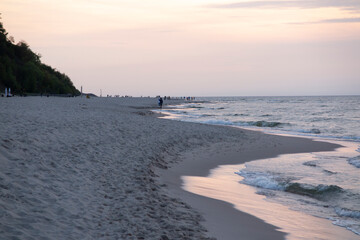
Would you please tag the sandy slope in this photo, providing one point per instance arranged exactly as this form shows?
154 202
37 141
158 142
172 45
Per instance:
77 168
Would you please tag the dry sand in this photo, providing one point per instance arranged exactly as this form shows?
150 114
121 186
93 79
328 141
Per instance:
77 168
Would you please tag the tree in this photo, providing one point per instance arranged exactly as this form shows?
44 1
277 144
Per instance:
21 70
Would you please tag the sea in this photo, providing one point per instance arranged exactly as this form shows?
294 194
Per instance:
322 185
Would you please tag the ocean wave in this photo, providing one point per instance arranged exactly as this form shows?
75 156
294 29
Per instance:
351 138
267 182
300 132
313 131
263 180
246 124
321 119
194 106
319 192
266 124
355 161
219 122
272 182
314 164
329 172
310 164
343 212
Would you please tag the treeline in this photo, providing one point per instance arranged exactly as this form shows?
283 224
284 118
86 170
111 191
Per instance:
22 71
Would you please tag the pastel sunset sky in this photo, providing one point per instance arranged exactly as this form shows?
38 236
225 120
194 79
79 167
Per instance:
197 47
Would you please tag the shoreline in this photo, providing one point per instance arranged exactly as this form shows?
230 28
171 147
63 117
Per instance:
77 167
222 220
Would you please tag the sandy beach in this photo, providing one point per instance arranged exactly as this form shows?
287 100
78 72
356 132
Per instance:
108 168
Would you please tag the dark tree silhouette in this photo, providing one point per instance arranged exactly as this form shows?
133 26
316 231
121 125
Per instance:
22 71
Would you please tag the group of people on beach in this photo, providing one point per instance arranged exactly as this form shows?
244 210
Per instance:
161 100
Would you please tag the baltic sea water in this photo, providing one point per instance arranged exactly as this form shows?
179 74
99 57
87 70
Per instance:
325 185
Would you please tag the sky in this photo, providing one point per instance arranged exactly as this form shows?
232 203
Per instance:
195 47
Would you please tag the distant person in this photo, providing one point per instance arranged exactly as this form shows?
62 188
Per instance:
160 102
8 92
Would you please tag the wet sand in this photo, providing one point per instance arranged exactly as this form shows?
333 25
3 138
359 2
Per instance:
221 218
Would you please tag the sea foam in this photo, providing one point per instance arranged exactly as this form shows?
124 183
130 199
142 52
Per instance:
262 180
355 161
343 212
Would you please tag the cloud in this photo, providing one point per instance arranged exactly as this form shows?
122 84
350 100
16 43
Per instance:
334 20
353 5
341 20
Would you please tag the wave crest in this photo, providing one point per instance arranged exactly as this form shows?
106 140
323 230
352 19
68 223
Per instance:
355 161
317 192
271 182
343 212
312 131
265 124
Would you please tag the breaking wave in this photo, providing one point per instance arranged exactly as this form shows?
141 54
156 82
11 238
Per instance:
343 212
262 180
318 192
310 164
273 182
355 161
266 124
313 131
249 123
